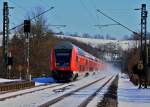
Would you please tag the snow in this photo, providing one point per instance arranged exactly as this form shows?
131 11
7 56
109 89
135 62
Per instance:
124 44
8 80
2 80
100 95
130 96
25 91
35 99
78 97
38 83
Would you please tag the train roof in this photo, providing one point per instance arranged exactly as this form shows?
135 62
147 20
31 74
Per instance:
69 45
64 45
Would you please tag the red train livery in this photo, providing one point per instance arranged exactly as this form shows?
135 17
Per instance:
69 61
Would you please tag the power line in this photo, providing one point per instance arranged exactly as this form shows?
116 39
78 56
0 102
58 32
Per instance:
94 7
117 22
58 25
24 9
19 6
33 18
89 13
42 1
106 25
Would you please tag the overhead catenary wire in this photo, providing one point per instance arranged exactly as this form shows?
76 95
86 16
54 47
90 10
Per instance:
33 18
19 6
87 10
24 9
94 7
106 25
98 10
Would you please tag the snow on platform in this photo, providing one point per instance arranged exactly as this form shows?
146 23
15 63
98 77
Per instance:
130 96
8 80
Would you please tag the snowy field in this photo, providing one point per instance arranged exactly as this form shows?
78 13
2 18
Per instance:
130 96
124 44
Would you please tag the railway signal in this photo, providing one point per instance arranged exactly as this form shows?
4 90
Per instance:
9 64
27 27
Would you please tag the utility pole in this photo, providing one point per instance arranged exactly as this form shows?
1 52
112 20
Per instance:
5 38
144 32
5 73
143 64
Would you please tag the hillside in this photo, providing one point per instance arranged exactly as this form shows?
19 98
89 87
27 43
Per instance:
124 44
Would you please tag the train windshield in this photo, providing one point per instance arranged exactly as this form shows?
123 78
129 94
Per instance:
63 57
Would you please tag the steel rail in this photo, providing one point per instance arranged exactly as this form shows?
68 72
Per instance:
19 94
90 98
51 102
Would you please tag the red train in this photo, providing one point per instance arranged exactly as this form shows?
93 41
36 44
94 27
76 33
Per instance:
69 61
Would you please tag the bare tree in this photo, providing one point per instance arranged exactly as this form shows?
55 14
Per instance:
39 24
39 45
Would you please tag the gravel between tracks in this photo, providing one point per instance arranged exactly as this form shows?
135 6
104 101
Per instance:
110 98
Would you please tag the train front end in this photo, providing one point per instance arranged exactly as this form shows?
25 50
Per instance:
61 61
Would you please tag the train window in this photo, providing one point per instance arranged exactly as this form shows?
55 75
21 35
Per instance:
81 52
63 57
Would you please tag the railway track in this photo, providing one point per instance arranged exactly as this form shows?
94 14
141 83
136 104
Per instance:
45 86
27 91
90 98
39 96
85 102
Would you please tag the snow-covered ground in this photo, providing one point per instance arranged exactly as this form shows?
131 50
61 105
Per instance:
37 98
130 96
8 80
99 97
78 97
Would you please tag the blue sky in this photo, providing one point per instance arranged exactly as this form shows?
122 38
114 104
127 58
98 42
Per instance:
80 16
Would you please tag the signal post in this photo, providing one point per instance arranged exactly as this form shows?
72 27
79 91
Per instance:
27 26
